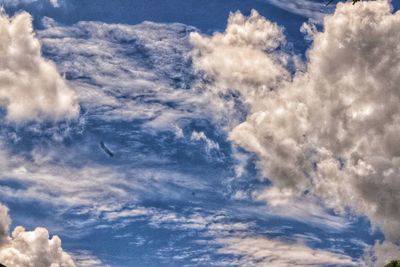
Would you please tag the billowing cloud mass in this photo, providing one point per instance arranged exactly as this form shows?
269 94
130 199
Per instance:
381 253
331 131
30 248
239 57
30 86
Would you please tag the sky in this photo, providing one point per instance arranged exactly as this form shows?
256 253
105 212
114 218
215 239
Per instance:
199 133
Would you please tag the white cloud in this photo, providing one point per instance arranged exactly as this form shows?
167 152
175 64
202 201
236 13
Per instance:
46 177
30 248
381 254
286 203
30 86
5 222
53 183
54 3
201 136
128 72
134 72
134 212
260 251
86 259
243 56
330 131
306 8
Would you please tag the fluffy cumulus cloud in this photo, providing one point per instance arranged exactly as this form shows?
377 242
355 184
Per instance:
30 86
30 248
239 56
330 131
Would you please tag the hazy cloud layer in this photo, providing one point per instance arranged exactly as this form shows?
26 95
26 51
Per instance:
30 248
330 131
30 86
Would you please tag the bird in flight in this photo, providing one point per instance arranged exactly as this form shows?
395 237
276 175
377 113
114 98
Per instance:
106 150
354 1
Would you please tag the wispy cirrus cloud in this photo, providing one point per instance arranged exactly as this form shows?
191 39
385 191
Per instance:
91 188
261 251
84 258
315 10
237 240
120 73
124 72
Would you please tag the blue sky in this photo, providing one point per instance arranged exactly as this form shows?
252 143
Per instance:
193 179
